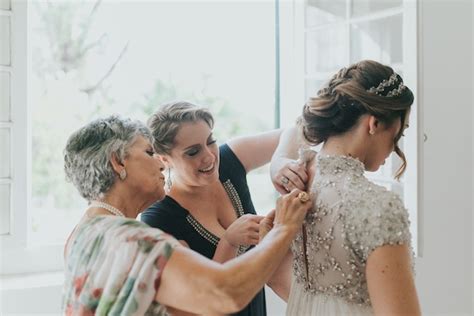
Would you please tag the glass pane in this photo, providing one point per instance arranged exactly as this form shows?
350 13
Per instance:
312 87
325 11
5 40
4 153
4 96
361 7
5 5
4 209
234 76
379 40
326 50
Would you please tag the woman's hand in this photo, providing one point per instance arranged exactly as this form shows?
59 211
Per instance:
288 174
291 209
266 224
243 231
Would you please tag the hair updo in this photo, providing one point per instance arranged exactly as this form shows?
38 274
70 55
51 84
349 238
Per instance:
166 122
345 98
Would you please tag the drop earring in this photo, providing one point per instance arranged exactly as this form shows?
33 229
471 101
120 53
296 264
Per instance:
169 183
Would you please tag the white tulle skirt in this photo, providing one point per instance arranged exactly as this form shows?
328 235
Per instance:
302 303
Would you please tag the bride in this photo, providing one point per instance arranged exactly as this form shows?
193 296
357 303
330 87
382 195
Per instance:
353 254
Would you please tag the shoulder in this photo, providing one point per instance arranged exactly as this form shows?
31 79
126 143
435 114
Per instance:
374 200
101 231
229 163
164 214
375 217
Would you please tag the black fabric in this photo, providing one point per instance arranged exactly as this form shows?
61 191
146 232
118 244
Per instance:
169 216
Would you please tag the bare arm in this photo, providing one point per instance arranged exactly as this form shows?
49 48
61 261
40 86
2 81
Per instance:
284 162
289 143
189 279
280 281
390 281
224 251
193 283
256 150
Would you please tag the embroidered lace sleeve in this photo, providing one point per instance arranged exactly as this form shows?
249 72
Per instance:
382 221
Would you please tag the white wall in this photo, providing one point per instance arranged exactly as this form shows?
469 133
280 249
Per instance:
30 294
444 273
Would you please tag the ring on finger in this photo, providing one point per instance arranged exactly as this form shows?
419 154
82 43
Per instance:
303 197
284 180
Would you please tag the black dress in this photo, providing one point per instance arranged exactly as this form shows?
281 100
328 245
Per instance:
169 216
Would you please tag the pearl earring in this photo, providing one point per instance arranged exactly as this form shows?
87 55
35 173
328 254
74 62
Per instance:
123 174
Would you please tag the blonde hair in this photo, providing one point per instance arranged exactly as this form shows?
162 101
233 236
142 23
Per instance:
165 122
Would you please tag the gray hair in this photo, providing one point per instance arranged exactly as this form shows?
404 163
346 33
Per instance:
89 150
165 123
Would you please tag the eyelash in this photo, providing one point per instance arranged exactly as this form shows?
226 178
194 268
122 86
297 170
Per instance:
150 153
195 152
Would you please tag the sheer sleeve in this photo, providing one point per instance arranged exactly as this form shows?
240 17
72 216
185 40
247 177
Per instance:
382 221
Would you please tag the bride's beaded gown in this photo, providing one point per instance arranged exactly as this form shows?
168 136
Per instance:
351 217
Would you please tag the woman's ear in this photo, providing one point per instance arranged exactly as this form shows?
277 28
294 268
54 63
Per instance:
166 160
374 125
117 164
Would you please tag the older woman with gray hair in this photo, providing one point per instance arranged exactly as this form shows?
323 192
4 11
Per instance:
117 265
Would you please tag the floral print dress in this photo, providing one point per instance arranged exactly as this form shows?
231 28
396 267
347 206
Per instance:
113 266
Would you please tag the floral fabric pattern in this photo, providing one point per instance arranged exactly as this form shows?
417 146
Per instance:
113 266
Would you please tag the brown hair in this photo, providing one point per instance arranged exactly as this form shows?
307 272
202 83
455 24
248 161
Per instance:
165 122
345 98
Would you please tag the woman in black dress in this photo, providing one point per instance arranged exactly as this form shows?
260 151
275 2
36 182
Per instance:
208 206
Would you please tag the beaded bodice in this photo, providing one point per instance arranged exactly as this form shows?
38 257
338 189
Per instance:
350 218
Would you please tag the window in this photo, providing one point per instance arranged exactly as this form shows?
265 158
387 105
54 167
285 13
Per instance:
5 118
117 57
90 59
326 35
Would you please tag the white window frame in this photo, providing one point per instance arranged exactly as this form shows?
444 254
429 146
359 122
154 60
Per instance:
17 256
7 125
293 30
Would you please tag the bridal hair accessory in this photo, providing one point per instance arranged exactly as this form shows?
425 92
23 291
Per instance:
108 207
303 197
123 174
387 83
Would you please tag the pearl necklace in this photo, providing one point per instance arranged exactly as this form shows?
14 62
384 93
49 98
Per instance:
108 207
